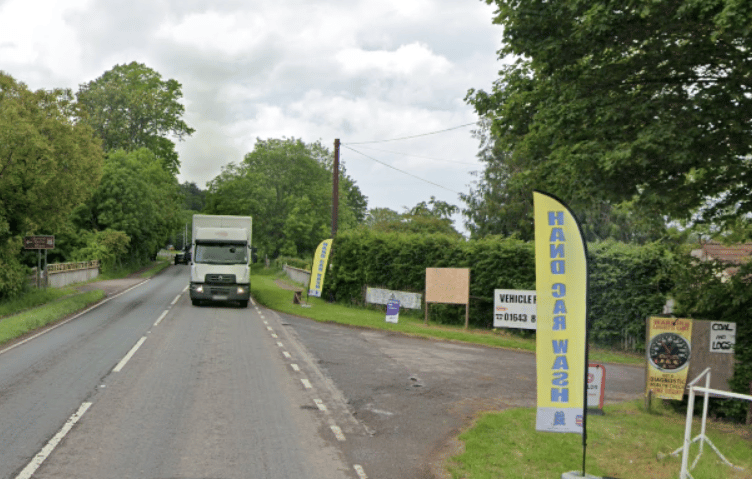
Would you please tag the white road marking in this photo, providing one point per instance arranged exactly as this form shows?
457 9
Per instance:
159 320
320 404
274 335
37 461
306 383
175 300
287 355
295 367
338 433
128 356
359 470
269 328
279 343
186 288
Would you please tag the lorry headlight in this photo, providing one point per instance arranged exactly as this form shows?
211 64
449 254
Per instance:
199 288
241 290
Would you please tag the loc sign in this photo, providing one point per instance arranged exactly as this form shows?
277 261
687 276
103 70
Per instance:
722 337
515 309
39 242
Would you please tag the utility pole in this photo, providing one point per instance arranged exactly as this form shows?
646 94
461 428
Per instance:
335 188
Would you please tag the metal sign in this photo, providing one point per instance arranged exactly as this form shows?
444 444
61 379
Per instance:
39 242
515 309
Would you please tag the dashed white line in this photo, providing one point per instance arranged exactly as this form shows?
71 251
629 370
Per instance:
295 367
37 461
175 300
359 471
287 355
128 356
159 320
274 335
269 328
306 383
338 433
279 343
320 404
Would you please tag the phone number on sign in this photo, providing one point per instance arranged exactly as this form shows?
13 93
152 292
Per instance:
515 317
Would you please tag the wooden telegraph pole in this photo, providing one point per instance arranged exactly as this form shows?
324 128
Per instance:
335 188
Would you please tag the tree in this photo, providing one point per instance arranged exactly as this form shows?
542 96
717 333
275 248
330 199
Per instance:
433 217
195 198
132 107
620 101
285 185
137 197
49 163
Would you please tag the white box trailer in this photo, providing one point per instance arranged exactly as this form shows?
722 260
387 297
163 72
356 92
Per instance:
221 258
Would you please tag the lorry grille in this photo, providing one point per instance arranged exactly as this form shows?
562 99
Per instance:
220 279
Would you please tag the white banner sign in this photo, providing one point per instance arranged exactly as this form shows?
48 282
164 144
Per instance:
722 337
382 296
515 309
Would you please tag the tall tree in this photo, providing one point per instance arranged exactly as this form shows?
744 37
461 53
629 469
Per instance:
285 184
132 107
617 101
137 197
432 217
49 163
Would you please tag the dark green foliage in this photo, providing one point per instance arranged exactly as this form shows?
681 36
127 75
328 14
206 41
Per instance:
703 292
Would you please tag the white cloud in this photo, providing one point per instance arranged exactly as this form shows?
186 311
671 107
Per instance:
407 60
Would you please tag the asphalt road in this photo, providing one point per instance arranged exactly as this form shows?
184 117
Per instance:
148 386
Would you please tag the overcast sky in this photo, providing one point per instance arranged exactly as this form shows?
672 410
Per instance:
357 70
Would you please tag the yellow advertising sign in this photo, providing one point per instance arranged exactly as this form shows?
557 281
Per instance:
668 352
561 289
320 259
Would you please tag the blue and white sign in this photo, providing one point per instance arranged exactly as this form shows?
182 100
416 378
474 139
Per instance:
392 310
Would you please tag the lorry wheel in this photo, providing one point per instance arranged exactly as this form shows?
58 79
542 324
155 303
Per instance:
244 304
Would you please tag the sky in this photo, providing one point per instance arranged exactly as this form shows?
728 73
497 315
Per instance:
387 78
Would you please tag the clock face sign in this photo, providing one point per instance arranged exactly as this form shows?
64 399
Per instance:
669 352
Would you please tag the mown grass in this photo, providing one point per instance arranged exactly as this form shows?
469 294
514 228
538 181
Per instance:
17 325
266 291
41 307
626 442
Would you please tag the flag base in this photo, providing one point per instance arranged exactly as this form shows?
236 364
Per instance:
578 475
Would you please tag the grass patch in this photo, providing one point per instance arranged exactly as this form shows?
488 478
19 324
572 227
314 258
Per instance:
266 291
14 326
626 442
31 299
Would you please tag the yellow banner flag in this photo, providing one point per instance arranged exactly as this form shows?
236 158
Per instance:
668 352
561 288
318 271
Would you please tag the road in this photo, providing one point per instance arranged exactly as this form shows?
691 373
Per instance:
148 386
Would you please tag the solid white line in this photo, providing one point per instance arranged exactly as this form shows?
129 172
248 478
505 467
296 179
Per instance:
306 383
359 470
338 433
175 300
71 318
128 356
164 313
37 461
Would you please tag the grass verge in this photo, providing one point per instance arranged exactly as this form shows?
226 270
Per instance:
626 442
267 292
17 325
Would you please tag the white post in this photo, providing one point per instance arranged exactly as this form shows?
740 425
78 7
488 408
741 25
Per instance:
687 434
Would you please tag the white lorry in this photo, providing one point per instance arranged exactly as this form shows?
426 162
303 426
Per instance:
220 259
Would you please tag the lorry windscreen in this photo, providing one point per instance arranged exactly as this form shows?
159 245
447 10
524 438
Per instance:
221 253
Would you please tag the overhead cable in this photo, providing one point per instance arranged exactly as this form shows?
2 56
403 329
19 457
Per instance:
401 171
415 136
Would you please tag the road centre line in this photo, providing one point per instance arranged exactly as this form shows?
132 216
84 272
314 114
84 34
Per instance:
287 355
274 335
279 343
37 460
306 383
295 367
175 300
320 404
128 356
161 317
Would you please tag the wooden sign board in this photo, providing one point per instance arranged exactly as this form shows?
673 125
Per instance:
448 285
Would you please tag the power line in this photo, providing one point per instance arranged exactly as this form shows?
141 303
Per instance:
413 136
419 156
401 171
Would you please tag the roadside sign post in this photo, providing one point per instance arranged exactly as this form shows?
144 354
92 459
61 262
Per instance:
39 243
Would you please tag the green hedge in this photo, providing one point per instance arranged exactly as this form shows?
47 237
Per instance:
627 282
